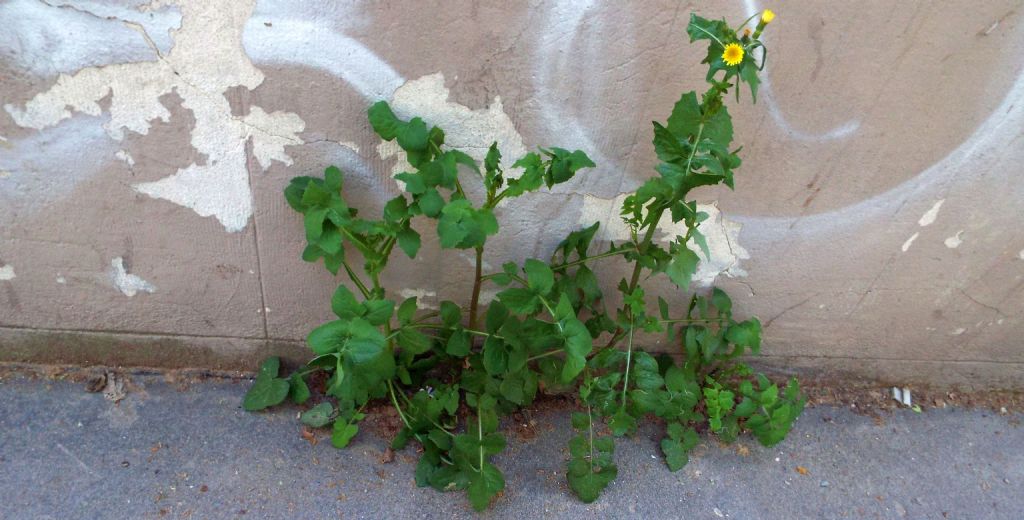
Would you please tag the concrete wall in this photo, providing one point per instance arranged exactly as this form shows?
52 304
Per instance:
876 227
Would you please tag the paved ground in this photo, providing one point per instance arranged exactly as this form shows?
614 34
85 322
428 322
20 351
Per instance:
173 452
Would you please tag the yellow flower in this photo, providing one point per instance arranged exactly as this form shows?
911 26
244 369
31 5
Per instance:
733 54
767 16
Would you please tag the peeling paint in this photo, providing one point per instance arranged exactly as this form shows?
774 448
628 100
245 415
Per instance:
954 241
721 234
128 284
906 245
929 216
7 272
424 298
126 157
471 131
52 37
207 58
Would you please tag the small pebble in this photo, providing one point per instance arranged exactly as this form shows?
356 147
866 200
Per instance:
824 483
125 464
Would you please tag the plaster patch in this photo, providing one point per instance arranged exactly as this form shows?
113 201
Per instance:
958 331
7 272
471 131
954 241
1021 254
424 298
207 58
128 284
929 216
52 36
126 157
721 234
350 145
906 245
61 280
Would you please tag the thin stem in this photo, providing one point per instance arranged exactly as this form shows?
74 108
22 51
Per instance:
544 355
355 279
474 301
394 401
590 423
629 356
589 258
480 434
701 29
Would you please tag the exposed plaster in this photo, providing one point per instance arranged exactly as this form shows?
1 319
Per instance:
207 58
906 245
128 284
424 298
52 37
7 272
954 241
929 216
471 131
1021 254
126 157
721 234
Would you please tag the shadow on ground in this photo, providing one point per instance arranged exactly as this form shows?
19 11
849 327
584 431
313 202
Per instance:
166 451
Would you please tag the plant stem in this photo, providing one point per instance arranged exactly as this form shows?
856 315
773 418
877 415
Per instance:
544 355
355 279
474 301
629 356
394 401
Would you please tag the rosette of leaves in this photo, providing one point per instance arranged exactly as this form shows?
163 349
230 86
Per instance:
451 374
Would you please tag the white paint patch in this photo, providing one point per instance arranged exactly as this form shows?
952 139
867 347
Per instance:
48 37
906 245
1021 254
954 241
61 280
721 234
128 284
471 131
350 145
7 272
929 216
424 298
207 58
125 157
958 331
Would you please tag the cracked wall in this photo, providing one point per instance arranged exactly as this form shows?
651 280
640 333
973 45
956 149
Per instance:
144 146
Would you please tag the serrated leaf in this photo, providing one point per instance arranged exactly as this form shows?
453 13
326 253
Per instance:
682 267
519 300
318 415
343 433
458 344
484 485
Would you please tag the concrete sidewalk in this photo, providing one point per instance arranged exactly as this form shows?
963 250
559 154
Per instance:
173 451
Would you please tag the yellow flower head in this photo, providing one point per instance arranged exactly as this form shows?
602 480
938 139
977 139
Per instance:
767 16
733 54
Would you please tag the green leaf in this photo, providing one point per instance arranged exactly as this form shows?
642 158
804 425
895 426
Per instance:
267 390
539 276
451 314
409 241
345 305
383 120
686 117
297 389
745 334
578 345
682 267
333 178
484 485
407 310
677 445
342 433
458 344
378 312
519 300
318 415
431 202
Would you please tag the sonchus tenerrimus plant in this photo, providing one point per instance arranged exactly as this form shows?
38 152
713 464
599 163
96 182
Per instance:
451 374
